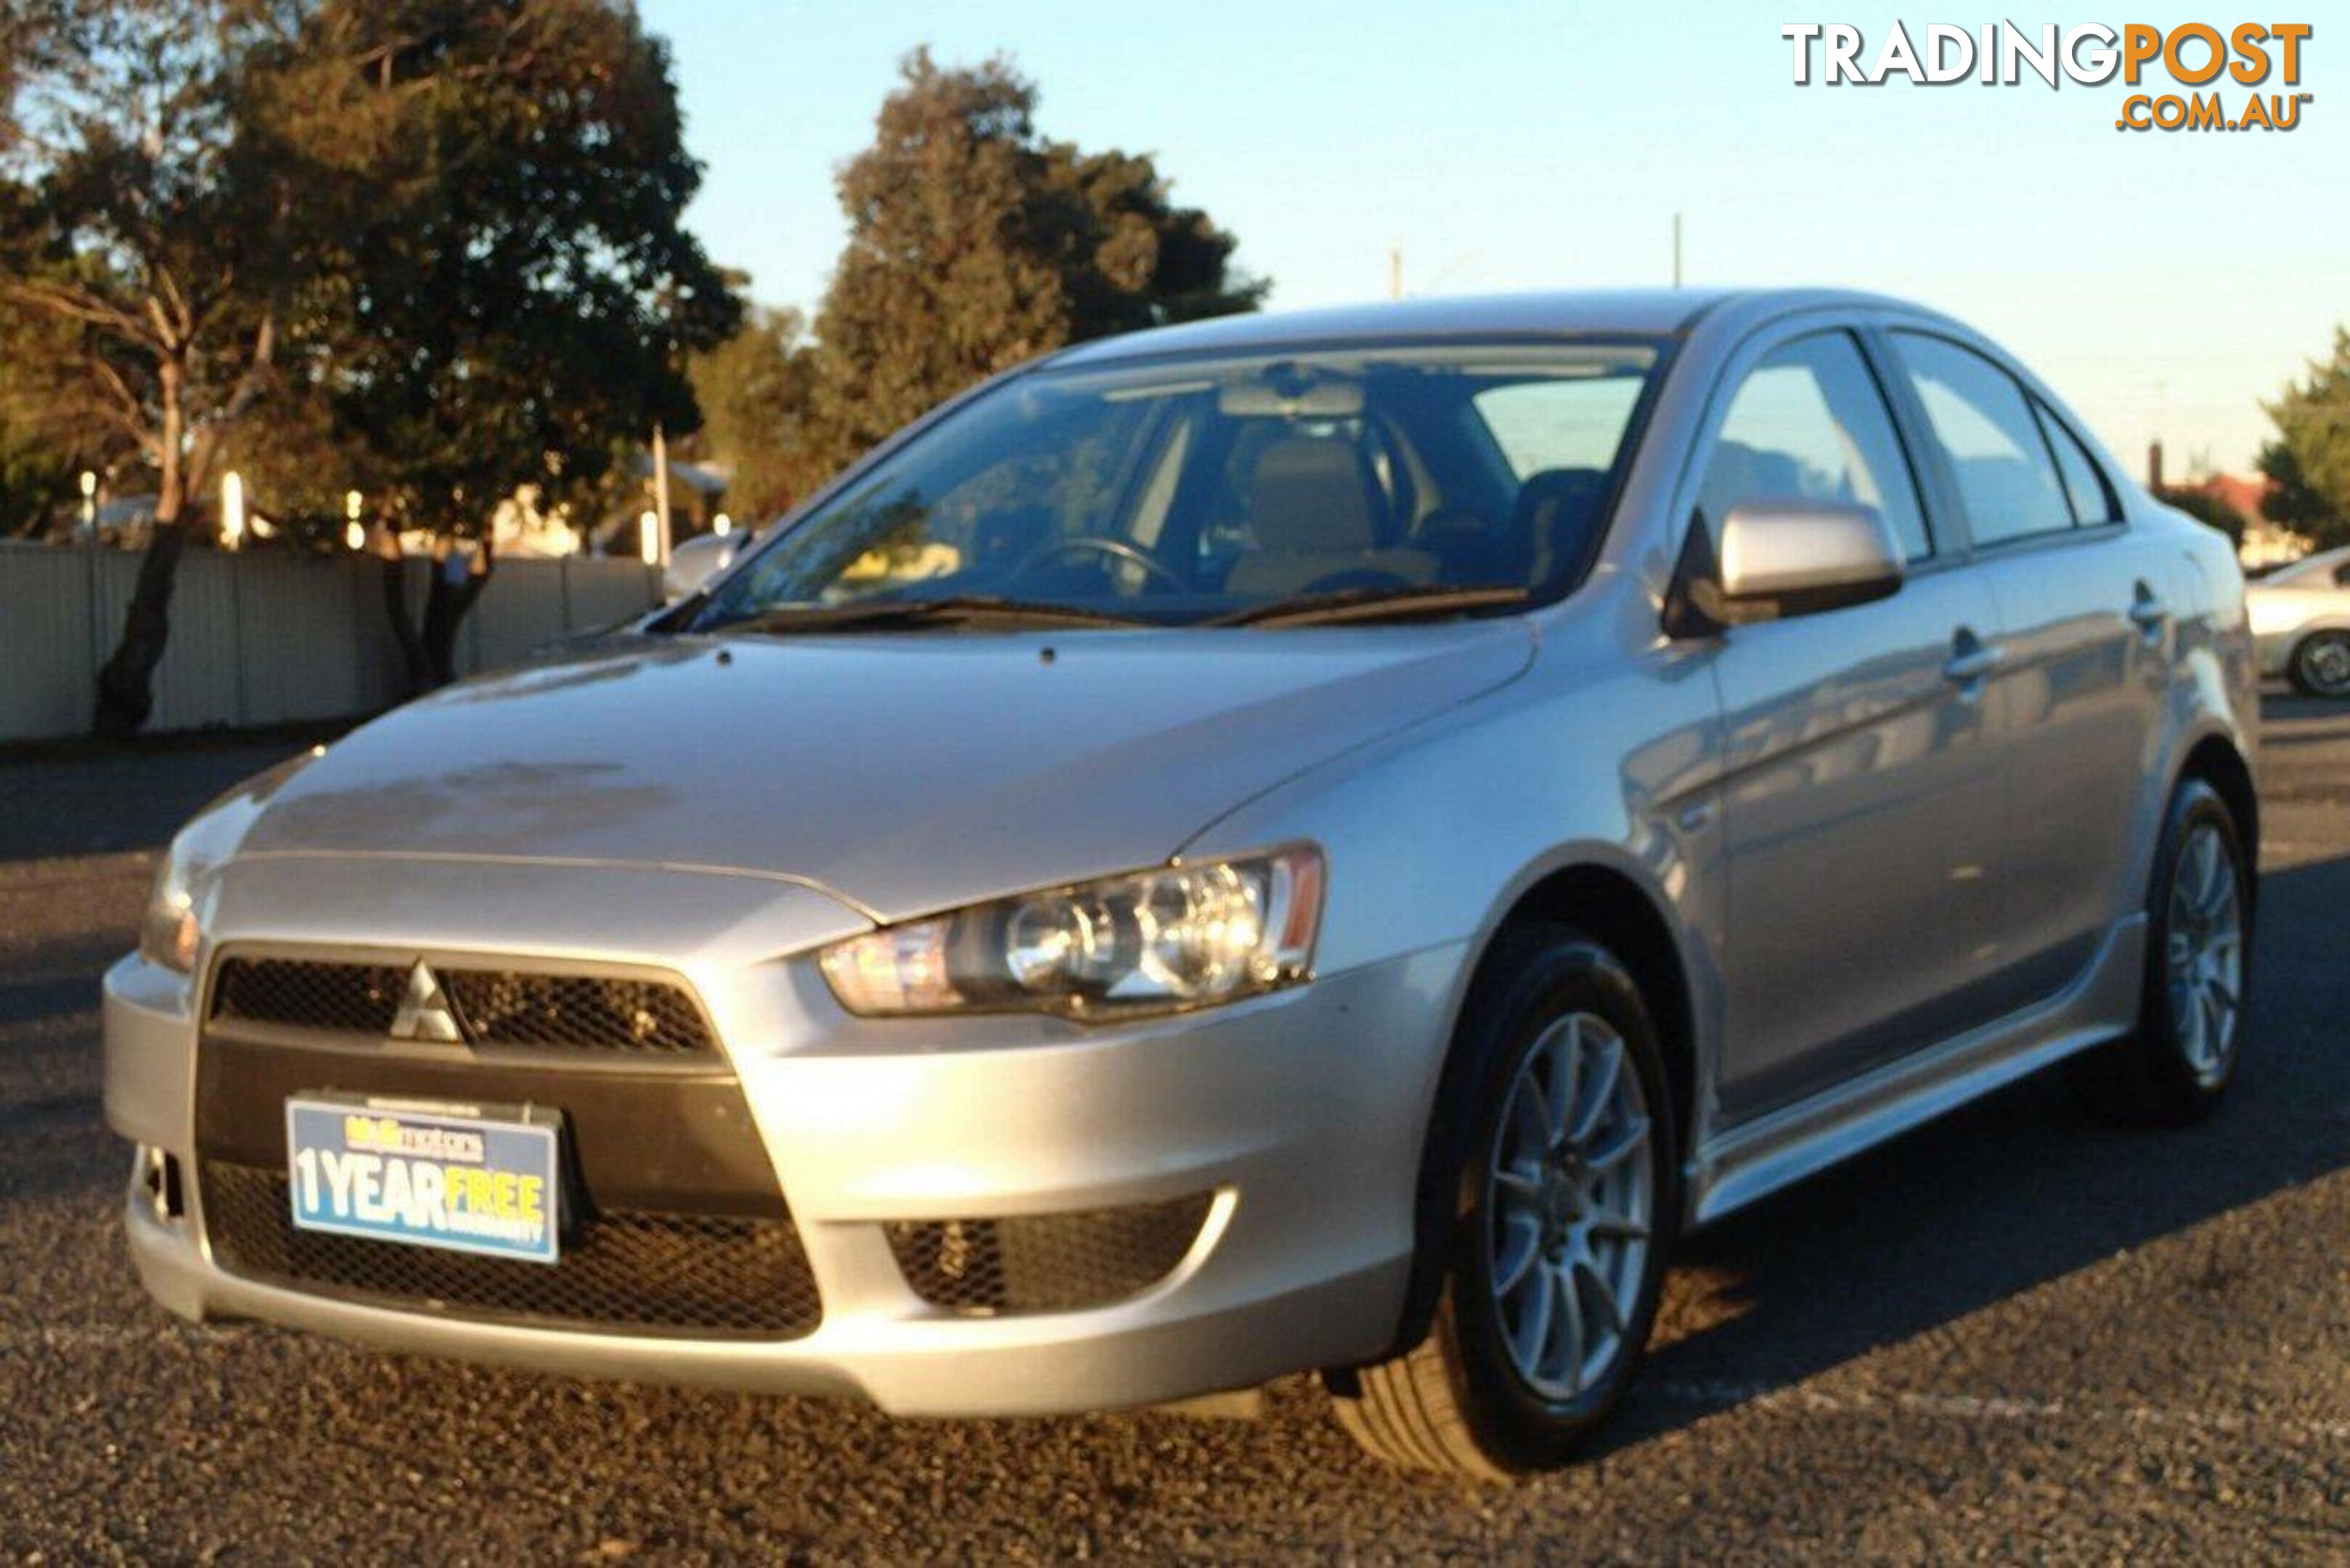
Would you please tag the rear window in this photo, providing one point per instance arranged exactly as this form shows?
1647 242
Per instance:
2084 484
1990 437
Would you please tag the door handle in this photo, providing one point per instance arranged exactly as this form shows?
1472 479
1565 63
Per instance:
1974 661
2147 612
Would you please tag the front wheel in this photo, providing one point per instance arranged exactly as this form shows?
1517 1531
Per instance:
2190 1031
1554 1164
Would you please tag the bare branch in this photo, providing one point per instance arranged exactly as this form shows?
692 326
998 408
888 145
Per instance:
82 305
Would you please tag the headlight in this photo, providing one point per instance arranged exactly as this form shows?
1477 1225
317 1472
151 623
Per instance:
172 928
1185 935
167 933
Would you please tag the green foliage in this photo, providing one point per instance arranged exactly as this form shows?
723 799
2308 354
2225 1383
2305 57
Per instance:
36 481
152 234
2310 459
975 244
514 293
754 391
2212 511
47 437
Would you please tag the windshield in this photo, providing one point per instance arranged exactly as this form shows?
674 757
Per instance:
1182 492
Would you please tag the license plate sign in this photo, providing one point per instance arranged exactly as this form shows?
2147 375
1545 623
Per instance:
453 1177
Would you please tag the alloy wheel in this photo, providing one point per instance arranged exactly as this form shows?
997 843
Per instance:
2325 666
1570 1195
2205 957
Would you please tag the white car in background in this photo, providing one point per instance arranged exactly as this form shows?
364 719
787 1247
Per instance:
2300 620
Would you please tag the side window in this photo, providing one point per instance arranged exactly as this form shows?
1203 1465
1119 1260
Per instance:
1809 423
1991 439
2091 497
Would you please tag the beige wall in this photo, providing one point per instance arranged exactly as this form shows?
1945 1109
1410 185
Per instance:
263 639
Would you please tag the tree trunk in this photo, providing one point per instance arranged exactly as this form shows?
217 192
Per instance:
403 627
126 684
430 653
126 691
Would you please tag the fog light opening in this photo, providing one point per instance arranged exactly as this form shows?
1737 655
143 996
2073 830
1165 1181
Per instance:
1047 1262
159 1173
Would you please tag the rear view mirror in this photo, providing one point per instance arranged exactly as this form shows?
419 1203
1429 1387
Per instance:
1788 558
1283 392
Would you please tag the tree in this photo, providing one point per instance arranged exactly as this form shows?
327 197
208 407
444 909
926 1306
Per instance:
975 244
45 436
2310 459
754 392
2205 507
513 293
155 237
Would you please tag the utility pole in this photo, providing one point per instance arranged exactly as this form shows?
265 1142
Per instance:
660 496
1395 272
1677 250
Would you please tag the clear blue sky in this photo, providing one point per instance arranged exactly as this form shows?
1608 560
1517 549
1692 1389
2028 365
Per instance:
2164 283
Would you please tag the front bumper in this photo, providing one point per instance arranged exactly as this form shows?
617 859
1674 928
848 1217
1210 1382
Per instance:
1302 1112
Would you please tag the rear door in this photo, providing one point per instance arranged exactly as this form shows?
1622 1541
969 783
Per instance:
1861 802
2084 646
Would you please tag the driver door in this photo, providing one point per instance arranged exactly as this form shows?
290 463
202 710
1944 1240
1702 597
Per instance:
1861 800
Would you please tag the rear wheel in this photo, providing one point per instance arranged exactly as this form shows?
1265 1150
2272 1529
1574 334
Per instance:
2199 961
2321 665
1553 1166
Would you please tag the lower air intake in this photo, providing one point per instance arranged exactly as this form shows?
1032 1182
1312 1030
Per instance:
689 1275
1045 1262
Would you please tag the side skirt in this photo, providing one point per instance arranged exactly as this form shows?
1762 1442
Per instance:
1752 1161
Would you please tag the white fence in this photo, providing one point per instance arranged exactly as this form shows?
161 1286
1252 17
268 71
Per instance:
265 639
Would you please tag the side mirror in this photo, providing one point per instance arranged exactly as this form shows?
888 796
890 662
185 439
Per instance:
1778 558
696 562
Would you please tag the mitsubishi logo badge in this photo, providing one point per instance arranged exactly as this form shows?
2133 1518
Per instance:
425 1013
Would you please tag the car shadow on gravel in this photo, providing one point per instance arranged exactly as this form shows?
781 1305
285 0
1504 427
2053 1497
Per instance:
2007 1194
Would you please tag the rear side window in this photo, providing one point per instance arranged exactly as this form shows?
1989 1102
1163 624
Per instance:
1809 423
2085 486
1989 435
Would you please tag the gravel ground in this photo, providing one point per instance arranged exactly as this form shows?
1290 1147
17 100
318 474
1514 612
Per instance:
2015 1334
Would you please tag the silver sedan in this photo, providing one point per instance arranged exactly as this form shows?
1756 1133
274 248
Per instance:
1318 842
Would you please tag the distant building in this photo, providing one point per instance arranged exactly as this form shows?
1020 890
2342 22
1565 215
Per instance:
2264 543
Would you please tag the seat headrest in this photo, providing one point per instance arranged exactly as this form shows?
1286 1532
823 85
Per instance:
1311 493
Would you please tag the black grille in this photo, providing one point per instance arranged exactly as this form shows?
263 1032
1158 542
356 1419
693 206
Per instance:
493 1007
342 998
687 1275
1045 1262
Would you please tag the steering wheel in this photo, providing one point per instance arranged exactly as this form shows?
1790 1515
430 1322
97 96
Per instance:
1116 550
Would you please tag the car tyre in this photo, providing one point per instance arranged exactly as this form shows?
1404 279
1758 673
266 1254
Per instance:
2192 1010
1552 1227
2320 666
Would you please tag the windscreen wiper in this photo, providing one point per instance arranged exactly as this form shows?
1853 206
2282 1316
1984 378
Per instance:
1384 603
952 607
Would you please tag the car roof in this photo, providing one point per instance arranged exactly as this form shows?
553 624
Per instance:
1628 312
